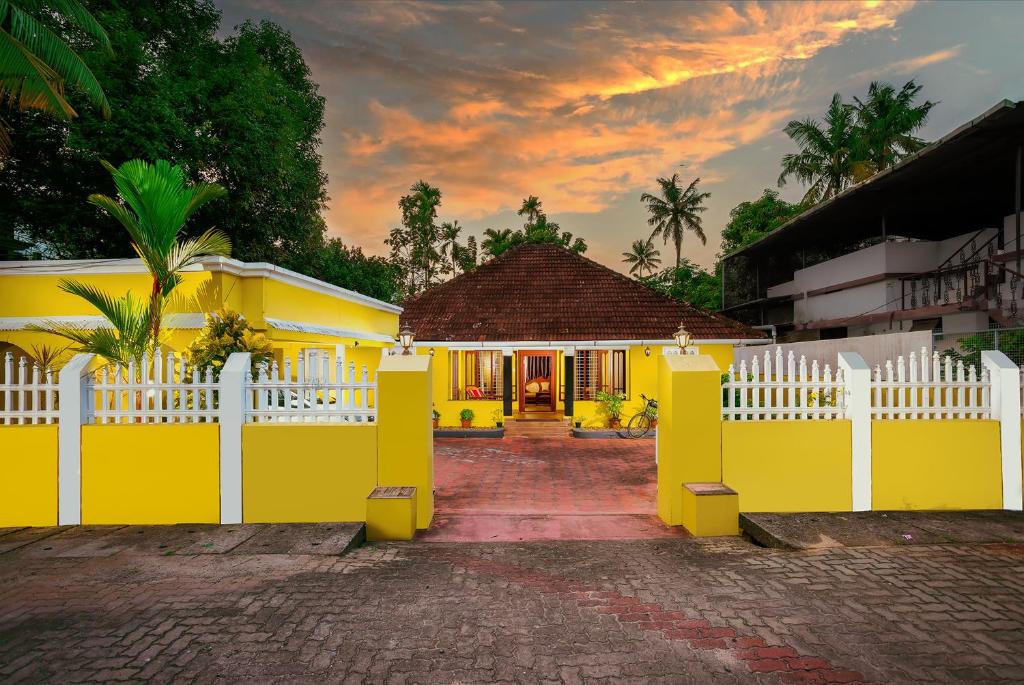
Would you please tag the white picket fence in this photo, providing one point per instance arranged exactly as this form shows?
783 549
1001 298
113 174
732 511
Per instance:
29 394
782 391
312 397
926 386
163 389
930 387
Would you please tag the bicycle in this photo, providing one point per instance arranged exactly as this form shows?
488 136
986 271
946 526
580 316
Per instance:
640 423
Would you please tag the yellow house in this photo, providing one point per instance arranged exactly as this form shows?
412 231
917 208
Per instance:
296 312
538 331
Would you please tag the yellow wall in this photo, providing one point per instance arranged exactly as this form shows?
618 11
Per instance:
28 476
307 473
689 434
483 410
788 465
947 464
142 475
405 439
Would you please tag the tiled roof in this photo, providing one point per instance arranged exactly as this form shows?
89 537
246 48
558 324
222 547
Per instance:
546 292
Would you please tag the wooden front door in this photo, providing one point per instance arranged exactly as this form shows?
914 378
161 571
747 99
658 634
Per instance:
538 381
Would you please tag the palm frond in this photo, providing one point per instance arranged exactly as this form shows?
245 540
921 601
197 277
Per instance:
28 82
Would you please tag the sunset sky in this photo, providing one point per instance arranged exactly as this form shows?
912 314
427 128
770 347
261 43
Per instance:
585 104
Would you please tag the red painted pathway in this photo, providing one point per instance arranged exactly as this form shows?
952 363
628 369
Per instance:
517 488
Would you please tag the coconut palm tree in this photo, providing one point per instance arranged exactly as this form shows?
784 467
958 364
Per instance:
496 241
153 207
887 120
531 209
125 338
642 256
450 248
828 154
675 211
36 65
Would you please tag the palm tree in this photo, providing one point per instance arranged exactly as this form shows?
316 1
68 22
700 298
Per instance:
531 209
154 205
36 65
496 241
676 211
126 337
828 152
642 257
450 247
887 120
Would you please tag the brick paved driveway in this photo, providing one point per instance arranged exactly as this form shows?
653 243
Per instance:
520 489
671 610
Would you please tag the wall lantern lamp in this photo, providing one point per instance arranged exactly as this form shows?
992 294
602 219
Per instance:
431 351
647 351
682 337
405 339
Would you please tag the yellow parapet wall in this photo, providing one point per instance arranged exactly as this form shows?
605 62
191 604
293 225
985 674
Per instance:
150 474
28 476
787 466
947 464
307 473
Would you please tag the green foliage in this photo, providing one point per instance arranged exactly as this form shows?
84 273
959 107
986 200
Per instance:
749 221
642 256
37 65
241 111
538 230
466 414
676 210
435 413
498 416
969 348
611 403
854 141
348 267
227 332
49 358
688 283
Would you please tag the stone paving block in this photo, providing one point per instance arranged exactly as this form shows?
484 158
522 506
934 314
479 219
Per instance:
76 541
13 538
303 538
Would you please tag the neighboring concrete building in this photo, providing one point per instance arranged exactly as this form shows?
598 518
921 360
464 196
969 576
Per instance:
538 331
931 244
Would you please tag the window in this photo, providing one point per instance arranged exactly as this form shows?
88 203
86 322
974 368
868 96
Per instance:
599 370
478 377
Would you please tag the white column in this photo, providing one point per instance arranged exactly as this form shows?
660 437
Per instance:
1005 398
857 379
231 409
71 414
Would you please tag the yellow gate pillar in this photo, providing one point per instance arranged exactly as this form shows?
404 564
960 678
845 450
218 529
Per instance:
405 436
689 429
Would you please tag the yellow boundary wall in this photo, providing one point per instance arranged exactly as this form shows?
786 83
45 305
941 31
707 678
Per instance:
788 466
151 474
924 464
305 473
28 476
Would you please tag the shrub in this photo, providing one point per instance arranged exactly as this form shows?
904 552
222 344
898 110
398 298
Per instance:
612 402
466 414
226 332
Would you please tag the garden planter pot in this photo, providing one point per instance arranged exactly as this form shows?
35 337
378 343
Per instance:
467 424
437 423
614 424
654 423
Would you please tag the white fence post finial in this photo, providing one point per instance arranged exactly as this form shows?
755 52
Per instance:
1004 376
73 389
233 396
857 384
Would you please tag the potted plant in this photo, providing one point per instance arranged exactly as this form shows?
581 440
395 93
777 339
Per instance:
578 421
437 418
612 403
466 416
499 417
652 414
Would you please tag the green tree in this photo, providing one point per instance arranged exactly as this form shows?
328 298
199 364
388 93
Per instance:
675 211
828 152
886 122
531 209
642 256
752 220
349 268
37 64
241 111
688 283
450 248
497 241
154 204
